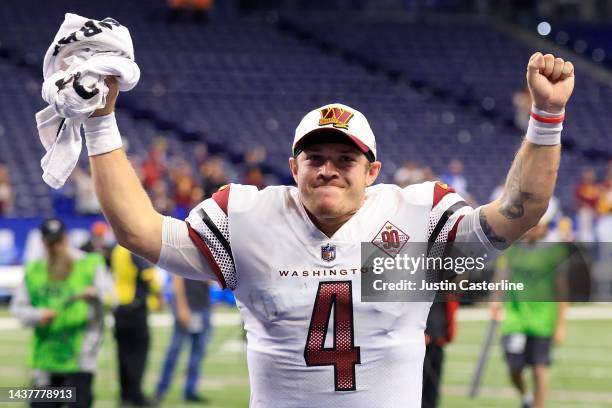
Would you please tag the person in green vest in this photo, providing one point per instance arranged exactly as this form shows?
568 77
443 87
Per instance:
533 319
63 297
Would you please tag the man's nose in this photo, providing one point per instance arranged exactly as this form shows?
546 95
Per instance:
328 168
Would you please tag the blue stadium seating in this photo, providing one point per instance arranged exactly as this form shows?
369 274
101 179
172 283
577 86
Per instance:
432 91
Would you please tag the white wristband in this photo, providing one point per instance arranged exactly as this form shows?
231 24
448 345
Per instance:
545 127
102 134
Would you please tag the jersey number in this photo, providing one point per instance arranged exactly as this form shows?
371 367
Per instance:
343 355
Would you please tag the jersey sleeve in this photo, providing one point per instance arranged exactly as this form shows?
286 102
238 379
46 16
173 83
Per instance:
208 228
447 210
453 220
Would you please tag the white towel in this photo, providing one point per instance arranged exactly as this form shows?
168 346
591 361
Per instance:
83 53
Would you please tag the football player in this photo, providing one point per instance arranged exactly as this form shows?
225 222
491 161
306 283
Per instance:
292 254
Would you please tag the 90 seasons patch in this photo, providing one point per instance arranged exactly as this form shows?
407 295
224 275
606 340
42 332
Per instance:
390 239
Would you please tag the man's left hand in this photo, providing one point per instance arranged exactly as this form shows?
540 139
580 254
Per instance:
551 82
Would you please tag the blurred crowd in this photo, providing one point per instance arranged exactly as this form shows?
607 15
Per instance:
174 181
6 191
593 198
588 219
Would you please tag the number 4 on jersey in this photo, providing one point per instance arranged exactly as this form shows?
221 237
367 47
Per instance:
343 355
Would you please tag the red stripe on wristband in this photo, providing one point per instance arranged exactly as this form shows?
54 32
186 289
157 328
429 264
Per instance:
544 119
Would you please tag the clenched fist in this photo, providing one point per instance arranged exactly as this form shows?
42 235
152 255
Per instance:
550 81
111 98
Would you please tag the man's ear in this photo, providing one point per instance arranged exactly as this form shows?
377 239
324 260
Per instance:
373 172
293 166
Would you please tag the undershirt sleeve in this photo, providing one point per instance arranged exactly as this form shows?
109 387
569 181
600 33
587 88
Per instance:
179 254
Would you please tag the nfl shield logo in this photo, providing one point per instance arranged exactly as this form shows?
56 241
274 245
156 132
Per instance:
328 252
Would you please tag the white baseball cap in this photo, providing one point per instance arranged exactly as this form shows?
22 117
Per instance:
338 118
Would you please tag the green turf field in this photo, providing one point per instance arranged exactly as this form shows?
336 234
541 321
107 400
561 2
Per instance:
581 376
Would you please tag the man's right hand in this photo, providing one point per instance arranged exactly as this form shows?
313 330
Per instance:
111 98
46 317
184 316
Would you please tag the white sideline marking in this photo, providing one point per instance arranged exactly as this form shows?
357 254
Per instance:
223 318
591 312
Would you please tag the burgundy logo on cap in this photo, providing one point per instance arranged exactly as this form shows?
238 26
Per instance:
338 117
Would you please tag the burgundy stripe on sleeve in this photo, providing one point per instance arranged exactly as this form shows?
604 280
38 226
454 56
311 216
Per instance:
201 245
453 232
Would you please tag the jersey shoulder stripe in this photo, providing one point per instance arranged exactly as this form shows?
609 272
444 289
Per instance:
445 203
210 259
209 230
213 228
442 221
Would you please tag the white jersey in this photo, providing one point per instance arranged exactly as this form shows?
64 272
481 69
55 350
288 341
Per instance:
288 277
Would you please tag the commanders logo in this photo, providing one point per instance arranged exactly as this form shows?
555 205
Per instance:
390 239
328 252
338 117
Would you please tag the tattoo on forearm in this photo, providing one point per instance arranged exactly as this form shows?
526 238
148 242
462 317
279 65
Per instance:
514 207
513 199
497 241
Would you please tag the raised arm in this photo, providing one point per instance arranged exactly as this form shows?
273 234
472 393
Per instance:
531 180
125 204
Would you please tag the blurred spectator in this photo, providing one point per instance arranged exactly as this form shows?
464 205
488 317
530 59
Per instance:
428 174
522 108
455 177
565 230
134 280
98 241
213 175
6 191
181 8
587 195
411 173
160 199
191 309
154 166
255 155
255 177
183 184
604 207
62 297
532 325
200 153
587 191
197 196
86 201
